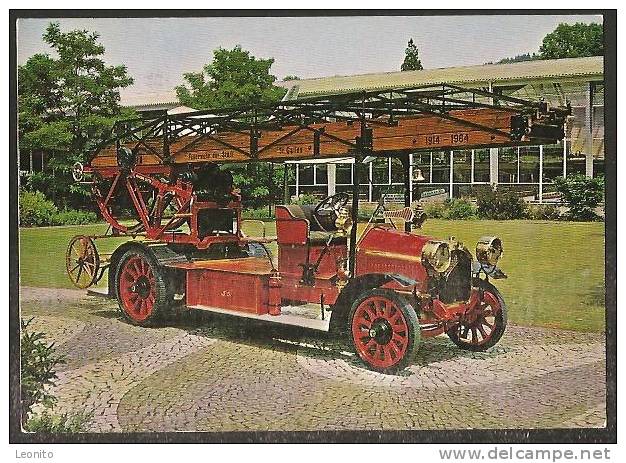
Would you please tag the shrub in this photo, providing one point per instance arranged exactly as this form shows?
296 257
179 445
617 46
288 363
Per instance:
35 209
458 209
582 195
38 361
74 217
38 211
261 213
306 198
500 205
49 423
543 212
434 210
451 209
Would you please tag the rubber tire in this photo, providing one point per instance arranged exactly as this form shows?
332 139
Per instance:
415 334
164 300
501 320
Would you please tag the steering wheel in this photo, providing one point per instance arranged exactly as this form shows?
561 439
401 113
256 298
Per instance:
327 211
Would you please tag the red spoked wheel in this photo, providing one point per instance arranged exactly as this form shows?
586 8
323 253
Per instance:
385 330
142 288
483 327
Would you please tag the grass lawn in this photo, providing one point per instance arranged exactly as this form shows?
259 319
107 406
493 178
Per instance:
556 269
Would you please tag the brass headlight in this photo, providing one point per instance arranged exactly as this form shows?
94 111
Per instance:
489 250
437 254
343 222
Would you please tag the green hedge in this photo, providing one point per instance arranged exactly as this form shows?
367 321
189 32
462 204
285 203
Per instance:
38 211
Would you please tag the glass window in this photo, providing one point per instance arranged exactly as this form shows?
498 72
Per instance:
552 162
507 165
380 171
529 164
462 166
397 171
306 174
321 177
481 166
344 174
441 167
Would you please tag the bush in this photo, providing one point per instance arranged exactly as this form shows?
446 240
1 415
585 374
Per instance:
49 423
500 205
451 209
543 212
38 361
458 209
35 209
261 213
306 198
38 211
434 210
581 194
74 217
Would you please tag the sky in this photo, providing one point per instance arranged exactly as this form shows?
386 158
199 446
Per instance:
158 51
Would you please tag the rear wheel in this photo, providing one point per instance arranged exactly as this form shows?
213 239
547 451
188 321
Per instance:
483 328
385 330
143 289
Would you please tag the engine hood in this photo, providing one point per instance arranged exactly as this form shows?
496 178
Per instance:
384 249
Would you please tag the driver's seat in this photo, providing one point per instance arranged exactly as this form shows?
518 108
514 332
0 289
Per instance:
296 224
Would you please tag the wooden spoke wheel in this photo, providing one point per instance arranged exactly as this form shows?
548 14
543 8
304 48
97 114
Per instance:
484 326
82 261
385 330
142 286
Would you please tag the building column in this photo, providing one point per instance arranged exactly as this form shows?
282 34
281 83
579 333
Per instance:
472 177
518 164
297 180
589 127
540 174
493 166
331 178
565 152
410 178
451 174
430 177
370 184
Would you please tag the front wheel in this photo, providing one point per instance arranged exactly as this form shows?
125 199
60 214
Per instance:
143 289
483 328
385 330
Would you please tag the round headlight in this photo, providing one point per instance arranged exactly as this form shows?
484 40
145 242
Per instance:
437 254
343 222
489 250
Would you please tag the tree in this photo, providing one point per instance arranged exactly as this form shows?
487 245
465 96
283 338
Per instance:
236 78
519 58
411 58
582 194
290 77
573 41
66 106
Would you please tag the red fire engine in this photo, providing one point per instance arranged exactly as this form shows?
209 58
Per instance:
387 288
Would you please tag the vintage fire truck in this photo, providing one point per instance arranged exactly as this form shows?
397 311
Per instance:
386 287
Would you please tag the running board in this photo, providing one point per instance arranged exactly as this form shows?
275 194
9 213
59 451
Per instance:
283 319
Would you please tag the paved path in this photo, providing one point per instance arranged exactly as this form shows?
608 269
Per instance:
211 373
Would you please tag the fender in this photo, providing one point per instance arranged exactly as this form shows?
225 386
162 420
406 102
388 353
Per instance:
162 253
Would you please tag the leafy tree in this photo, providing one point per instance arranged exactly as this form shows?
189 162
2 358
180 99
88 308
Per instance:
519 58
411 58
67 104
582 194
290 77
573 41
236 78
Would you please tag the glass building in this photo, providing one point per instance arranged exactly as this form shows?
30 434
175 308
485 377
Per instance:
529 170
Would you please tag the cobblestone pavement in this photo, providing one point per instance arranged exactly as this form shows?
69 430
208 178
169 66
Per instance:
212 373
